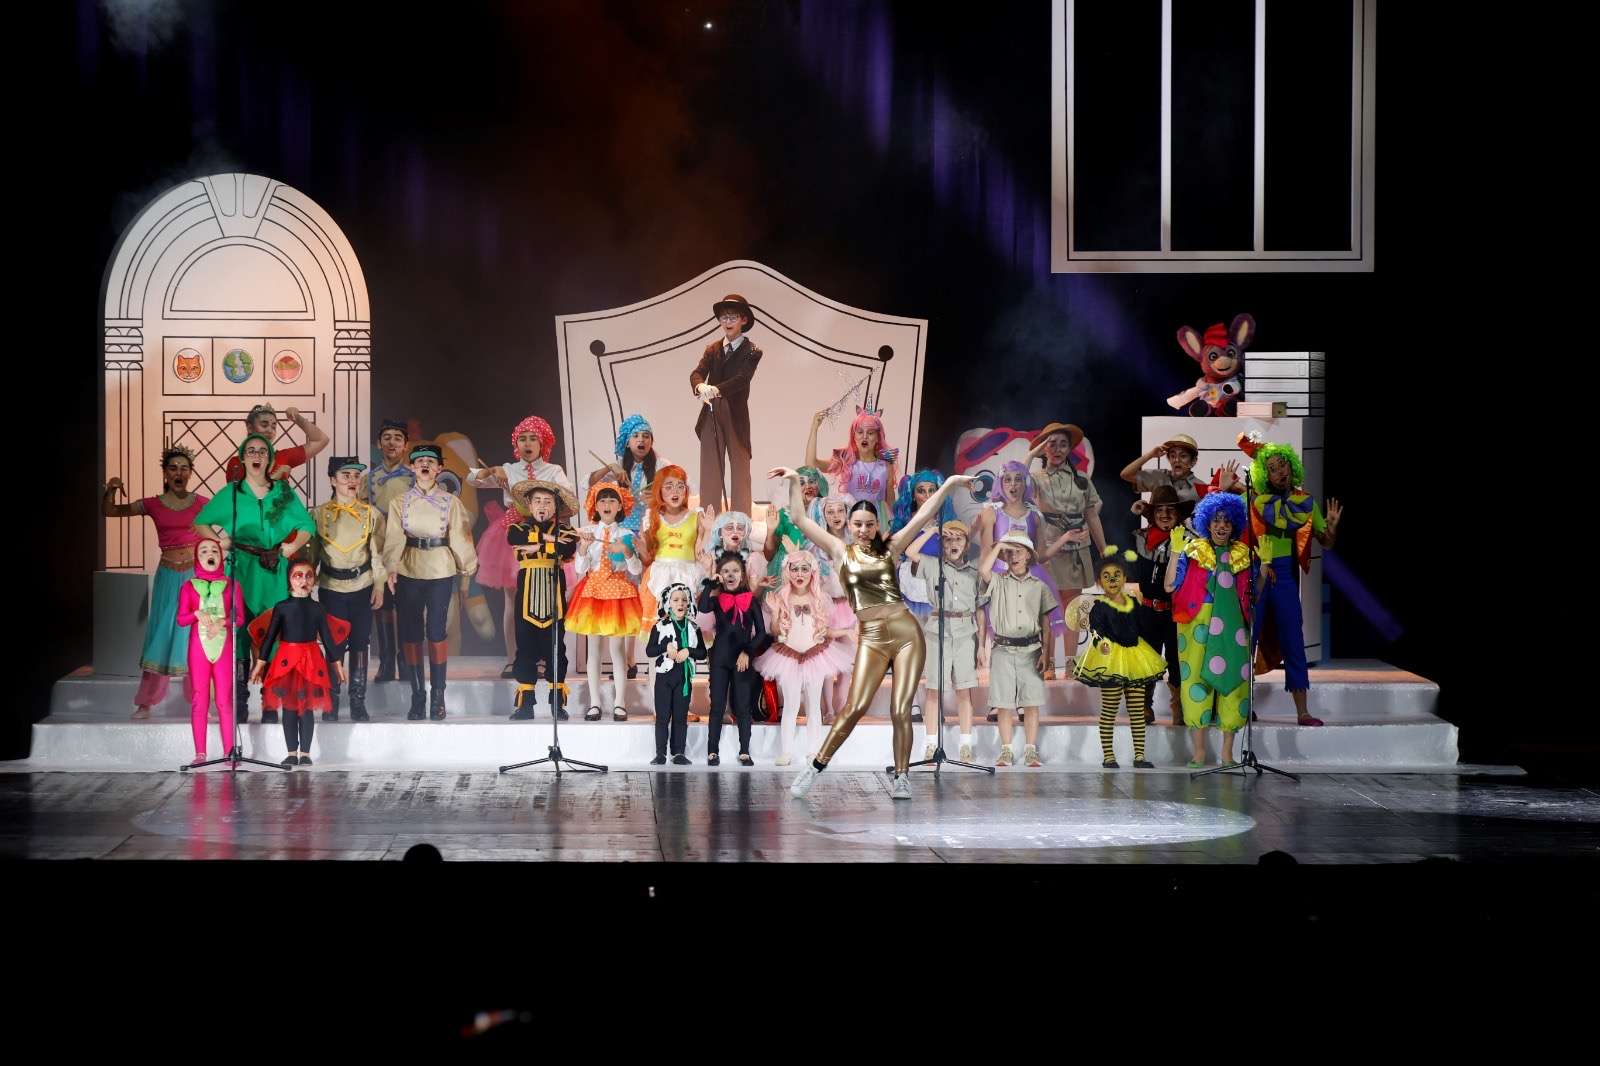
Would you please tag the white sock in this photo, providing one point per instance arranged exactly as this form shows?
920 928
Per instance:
966 739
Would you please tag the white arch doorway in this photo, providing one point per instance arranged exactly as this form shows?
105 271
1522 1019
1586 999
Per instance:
226 292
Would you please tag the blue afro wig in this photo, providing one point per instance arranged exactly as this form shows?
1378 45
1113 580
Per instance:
1225 503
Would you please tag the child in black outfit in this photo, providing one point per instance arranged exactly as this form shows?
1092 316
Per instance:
297 679
675 645
740 637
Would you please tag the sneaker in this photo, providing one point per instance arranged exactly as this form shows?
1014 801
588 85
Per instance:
659 760
928 749
1143 764
305 760
1109 764
680 760
522 714
802 782
916 712
290 762
782 760
965 754
1006 757
901 789
1030 756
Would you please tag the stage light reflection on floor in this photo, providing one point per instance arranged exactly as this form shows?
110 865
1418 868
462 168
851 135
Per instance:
1028 823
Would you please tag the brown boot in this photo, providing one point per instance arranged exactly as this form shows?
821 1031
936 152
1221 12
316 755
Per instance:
1177 707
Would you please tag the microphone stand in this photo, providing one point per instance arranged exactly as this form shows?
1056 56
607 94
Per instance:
555 758
939 758
236 755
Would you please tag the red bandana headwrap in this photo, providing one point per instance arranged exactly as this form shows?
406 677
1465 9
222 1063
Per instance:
1216 336
547 436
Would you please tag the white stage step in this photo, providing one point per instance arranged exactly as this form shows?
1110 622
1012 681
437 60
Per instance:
1379 719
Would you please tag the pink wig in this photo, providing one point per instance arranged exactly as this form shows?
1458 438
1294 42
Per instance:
784 595
839 465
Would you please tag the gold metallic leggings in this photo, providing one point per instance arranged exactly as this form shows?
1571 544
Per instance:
896 639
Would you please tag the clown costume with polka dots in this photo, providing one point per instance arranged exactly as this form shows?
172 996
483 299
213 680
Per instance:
1209 578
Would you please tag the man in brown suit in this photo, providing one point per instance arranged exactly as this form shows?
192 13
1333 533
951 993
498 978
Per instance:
722 382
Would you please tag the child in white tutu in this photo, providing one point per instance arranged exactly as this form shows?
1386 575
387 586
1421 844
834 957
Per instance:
806 652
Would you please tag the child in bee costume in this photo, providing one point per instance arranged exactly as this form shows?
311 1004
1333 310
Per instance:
1119 660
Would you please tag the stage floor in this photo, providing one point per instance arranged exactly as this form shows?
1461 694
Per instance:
743 816
1379 719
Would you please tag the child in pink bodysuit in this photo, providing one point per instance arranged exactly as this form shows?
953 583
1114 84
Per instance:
211 604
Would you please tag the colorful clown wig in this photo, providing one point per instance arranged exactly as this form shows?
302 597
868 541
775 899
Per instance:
1226 503
1259 482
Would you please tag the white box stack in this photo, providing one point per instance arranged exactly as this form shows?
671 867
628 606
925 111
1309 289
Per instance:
1218 438
1298 379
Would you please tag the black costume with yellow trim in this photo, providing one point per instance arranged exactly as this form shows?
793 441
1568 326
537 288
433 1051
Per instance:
541 600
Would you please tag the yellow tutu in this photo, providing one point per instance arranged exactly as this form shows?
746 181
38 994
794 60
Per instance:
1104 663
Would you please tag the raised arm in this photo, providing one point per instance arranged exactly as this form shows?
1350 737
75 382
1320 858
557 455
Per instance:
986 564
812 457
316 439
815 533
927 512
111 509
1130 473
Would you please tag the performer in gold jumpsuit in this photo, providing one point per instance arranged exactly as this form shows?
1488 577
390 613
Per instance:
887 630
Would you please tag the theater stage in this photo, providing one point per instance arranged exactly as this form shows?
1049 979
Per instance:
1379 720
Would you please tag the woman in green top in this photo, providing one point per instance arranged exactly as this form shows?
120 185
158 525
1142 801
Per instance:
262 523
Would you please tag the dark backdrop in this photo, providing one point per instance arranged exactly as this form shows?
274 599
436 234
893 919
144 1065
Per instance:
497 164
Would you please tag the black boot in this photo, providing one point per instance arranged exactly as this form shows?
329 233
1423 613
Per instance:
333 696
419 693
522 705
388 647
358 687
241 689
436 678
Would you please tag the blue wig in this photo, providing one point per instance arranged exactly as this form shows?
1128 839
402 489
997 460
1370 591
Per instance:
905 506
1228 504
727 518
630 425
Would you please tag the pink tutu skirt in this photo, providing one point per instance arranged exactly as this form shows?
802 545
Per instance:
782 664
497 560
842 617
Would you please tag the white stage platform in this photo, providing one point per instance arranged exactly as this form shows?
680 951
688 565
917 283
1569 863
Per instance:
1379 719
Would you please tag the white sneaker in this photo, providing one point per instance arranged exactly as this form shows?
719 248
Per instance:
802 783
965 754
782 760
927 751
901 789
